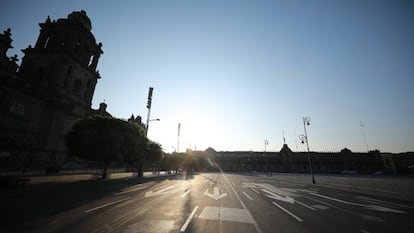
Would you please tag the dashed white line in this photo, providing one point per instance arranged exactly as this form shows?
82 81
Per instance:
304 205
243 205
247 195
254 190
288 212
233 184
132 190
107 204
184 227
184 194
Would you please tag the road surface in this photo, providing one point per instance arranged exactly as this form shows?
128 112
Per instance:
202 202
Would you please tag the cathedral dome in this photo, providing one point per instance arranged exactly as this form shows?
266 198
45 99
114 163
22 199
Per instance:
82 18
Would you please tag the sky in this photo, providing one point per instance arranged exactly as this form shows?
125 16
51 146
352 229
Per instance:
234 74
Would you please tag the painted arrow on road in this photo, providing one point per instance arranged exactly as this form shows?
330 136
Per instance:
278 197
216 194
159 192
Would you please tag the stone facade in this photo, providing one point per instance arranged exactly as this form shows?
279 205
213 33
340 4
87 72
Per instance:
53 87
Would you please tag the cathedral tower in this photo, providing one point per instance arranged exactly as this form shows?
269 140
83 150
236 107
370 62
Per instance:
54 86
63 62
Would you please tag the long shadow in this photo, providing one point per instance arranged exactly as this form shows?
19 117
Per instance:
36 201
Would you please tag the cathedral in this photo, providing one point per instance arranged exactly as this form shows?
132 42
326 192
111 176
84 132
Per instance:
53 87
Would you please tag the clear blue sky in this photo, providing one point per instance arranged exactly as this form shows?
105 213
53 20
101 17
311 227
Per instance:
235 73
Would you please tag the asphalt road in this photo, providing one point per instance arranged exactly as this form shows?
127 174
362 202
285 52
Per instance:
205 202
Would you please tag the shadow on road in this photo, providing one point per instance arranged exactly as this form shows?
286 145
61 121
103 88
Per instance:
35 201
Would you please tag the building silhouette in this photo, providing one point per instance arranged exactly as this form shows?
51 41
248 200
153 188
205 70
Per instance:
286 160
53 87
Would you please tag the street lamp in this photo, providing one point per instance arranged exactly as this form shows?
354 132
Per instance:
268 172
303 139
146 128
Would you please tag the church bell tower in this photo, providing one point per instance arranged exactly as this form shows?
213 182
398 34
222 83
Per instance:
62 65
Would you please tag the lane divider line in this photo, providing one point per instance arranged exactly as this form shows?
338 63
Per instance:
304 205
107 204
132 190
185 193
247 195
184 227
288 212
243 205
254 190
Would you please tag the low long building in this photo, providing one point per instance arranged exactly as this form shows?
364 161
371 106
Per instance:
286 160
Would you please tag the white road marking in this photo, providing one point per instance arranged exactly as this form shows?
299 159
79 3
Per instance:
159 192
132 190
370 207
216 194
107 204
151 226
277 197
258 229
184 194
304 205
233 184
321 207
363 231
386 202
254 190
248 196
288 212
280 191
331 206
184 227
226 214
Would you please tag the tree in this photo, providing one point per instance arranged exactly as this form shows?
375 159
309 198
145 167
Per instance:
154 153
106 139
188 163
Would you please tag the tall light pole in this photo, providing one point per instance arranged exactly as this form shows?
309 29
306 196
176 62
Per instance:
268 172
178 136
304 138
149 102
146 128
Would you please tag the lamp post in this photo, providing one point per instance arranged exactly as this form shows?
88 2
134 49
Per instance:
303 139
268 172
146 128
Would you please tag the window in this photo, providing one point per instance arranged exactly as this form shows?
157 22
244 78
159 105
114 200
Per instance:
90 61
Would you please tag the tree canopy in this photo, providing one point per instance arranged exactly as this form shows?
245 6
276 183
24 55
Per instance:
106 139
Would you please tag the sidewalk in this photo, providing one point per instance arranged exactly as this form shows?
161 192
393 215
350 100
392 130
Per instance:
75 178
